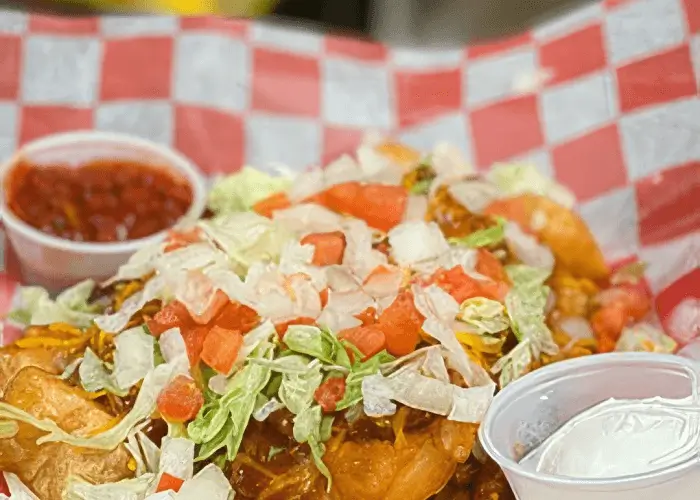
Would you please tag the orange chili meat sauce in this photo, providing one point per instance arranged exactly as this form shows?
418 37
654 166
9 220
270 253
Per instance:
101 201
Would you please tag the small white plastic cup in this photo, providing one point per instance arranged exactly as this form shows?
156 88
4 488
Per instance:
531 409
56 263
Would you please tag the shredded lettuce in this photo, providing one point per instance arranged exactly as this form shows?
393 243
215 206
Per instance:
116 322
177 457
8 428
644 337
151 452
126 489
139 264
421 187
210 483
483 315
71 306
193 256
18 491
307 218
515 364
222 421
525 304
297 389
70 369
517 179
440 310
173 350
318 343
264 407
240 191
522 275
416 242
133 360
312 427
527 249
360 370
408 387
483 237
247 238
473 194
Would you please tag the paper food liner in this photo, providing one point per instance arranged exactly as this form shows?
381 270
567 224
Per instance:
604 100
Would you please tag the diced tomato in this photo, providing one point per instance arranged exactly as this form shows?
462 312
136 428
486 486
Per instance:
488 265
277 201
168 482
620 306
328 247
381 206
220 349
401 323
462 286
606 344
181 239
607 324
323 295
369 340
342 198
368 316
218 301
634 298
329 393
494 290
172 315
457 283
317 198
282 327
638 307
236 316
180 400
377 273
194 342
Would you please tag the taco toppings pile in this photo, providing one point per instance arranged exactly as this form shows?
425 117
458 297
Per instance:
334 335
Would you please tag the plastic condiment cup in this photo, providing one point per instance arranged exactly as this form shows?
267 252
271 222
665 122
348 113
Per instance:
531 409
54 262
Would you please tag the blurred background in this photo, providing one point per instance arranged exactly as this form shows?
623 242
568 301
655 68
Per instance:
444 23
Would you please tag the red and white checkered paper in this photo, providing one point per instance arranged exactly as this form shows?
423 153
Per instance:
604 100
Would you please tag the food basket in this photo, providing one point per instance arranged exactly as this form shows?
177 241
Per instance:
605 101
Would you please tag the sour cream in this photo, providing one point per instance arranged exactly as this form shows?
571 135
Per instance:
618 438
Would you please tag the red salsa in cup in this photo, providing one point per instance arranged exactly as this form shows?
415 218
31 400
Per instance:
102 201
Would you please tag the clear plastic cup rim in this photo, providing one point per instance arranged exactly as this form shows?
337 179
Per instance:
173 161
512 466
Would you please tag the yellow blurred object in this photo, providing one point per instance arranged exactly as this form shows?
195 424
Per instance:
398 422
418 180
49 342
65 328
238 8
481 343
561 229
574 295
405 156
126 290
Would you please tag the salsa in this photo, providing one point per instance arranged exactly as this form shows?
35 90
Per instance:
102 201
